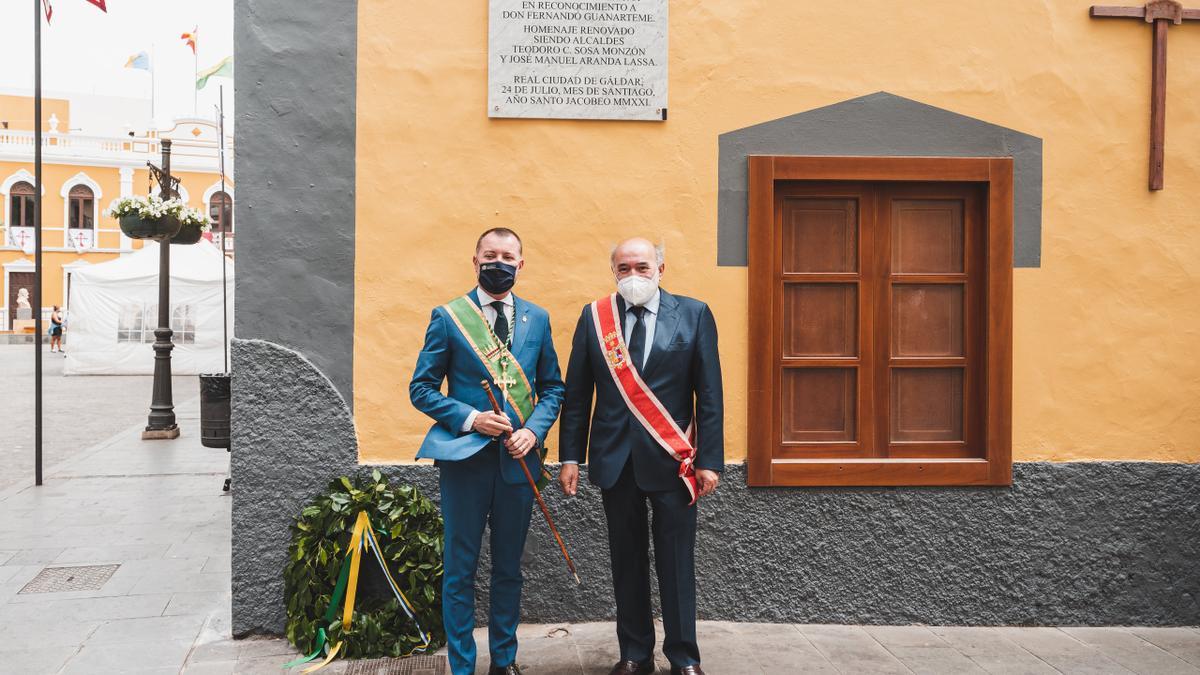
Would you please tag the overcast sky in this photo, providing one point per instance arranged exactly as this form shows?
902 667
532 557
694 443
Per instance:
84 50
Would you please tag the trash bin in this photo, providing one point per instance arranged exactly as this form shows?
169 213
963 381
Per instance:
214 410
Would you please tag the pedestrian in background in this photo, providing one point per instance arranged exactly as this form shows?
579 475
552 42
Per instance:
56 330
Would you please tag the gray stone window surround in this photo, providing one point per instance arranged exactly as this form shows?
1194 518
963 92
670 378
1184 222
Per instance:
878 125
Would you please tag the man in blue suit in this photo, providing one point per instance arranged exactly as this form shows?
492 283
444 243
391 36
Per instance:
488 334
647 350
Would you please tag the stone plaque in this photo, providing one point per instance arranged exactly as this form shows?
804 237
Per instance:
578 59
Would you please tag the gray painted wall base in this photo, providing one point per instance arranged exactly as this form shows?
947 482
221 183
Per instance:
291 432
1095 543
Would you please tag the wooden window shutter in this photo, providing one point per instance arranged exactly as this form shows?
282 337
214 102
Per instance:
880 291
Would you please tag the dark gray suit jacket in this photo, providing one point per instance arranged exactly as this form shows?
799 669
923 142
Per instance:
683 369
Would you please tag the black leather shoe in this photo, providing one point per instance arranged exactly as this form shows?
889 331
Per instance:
508 670
687 670
632 668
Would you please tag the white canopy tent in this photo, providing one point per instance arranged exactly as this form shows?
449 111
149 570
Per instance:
114 310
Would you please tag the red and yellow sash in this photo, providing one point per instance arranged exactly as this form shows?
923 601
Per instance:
642 402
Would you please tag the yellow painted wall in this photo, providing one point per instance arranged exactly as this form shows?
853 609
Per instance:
1106 330
18 112
196 184
54 177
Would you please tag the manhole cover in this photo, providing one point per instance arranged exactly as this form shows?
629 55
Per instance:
62 579
413 665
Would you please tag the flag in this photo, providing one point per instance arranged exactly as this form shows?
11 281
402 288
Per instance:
139 61
50 10
223 69
190 38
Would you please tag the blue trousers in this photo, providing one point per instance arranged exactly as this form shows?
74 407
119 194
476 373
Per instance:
473 495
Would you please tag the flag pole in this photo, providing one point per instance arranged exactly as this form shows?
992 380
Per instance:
195 75
226 229
37 241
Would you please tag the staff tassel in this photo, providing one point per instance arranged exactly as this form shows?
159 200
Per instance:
536 493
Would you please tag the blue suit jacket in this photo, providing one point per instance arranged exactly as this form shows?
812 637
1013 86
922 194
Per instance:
683 369
448 356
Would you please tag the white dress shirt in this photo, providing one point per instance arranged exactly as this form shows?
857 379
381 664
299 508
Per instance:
489 313
649 318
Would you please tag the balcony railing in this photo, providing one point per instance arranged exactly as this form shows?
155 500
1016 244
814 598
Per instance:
133 150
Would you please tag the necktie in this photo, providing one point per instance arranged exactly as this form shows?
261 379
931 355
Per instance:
637 338
500 328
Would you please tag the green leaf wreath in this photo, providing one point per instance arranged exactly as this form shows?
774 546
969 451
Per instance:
409 528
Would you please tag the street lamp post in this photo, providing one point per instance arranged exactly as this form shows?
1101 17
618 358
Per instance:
161 423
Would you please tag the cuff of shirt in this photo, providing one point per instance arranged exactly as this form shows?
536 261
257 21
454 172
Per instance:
467 426
568 461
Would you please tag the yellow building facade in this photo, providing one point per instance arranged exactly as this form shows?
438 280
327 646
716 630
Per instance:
1050 298
81 177
1103 328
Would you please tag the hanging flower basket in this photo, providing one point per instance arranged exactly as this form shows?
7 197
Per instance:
186 235
137 227
147 217
193 224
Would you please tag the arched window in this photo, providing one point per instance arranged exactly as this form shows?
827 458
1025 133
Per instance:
20 210
220 209
183 322
83 208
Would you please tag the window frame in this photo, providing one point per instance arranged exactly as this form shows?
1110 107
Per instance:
82 199
27 208
995 467
183 324
221 223
131 322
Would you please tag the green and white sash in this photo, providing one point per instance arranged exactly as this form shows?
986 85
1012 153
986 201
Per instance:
504 368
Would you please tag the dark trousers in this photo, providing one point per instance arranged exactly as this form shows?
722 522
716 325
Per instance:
674 530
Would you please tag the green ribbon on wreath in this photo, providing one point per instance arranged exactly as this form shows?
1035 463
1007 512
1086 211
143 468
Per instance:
362 539
339 590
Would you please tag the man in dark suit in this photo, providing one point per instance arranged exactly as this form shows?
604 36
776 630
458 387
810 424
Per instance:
645 349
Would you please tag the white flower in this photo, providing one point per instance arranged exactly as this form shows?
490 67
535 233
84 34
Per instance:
195 218
151 207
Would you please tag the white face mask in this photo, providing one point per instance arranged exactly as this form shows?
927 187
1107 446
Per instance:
638 290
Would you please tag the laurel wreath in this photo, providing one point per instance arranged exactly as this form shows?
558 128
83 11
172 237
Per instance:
409 528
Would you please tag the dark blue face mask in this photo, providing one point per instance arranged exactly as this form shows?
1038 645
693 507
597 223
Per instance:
497 277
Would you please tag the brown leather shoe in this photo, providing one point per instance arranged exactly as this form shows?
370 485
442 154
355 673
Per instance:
509 670
687 670
632 668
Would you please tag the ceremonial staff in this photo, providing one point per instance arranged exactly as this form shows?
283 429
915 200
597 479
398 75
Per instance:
536 493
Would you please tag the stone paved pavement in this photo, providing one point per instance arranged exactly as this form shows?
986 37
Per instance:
157 510
750 649
79 410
